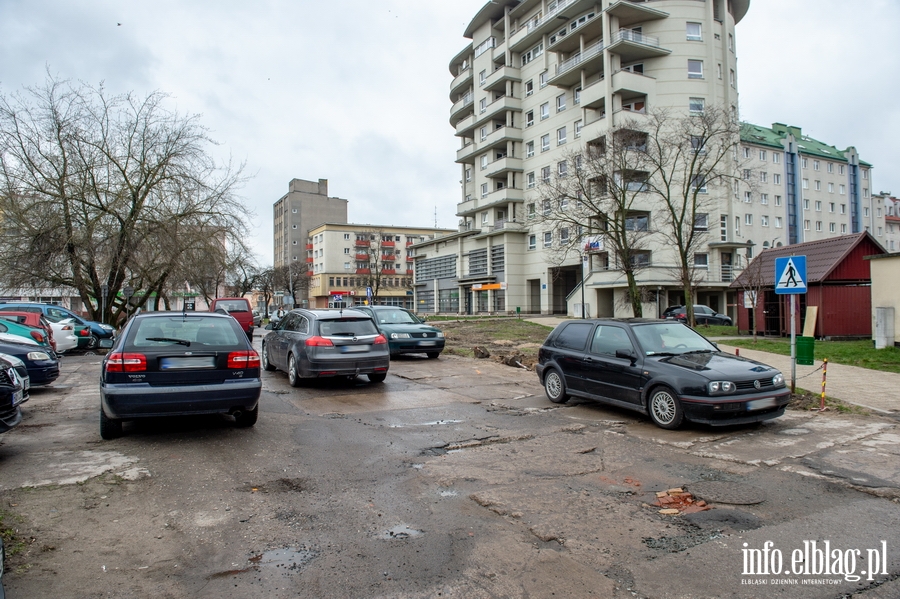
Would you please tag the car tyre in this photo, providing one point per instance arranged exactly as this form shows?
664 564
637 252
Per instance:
432 355
110 428
250 334
265 359
94 343
293 375
555 386
377 377
247 418
664 408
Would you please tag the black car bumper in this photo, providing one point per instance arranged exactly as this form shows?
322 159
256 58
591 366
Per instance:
42 373
416 346
10 418
723 411
139 400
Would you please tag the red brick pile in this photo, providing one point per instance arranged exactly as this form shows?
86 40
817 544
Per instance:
678 501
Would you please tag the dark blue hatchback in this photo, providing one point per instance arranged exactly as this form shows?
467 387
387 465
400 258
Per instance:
175 364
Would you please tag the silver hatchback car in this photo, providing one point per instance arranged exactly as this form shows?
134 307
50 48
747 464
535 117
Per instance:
326 343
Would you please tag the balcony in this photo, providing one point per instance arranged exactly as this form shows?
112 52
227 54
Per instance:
361 243
309 246
496 81
632 85
568 72
461 82
508 225
532 32
502 166
631 13
410 259
309 260
363 271
632 46
409 271
594 95
388 243
389 258
388 271
568 40
466 127
462 108
496 199
498 137
362 257
497 108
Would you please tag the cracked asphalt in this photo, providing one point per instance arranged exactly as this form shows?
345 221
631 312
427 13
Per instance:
454 478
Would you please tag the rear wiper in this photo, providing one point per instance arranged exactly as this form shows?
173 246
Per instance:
170 340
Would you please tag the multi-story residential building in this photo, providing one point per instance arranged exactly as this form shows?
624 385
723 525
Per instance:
891 207
346 260
540 79
305 206
799 189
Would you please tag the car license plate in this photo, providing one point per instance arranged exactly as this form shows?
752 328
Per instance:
346 349
427 343
759 404
26 383
17 398
191 362
106 343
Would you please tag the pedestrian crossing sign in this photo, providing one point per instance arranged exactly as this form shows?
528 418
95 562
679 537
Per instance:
790 274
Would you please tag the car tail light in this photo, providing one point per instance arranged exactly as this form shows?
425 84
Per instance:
380 340
243 359
38 336
319 342
126 362
84 332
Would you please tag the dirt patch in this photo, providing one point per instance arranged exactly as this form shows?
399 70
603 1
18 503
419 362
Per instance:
806 401
503 338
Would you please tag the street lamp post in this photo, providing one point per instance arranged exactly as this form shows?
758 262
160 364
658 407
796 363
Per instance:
584 259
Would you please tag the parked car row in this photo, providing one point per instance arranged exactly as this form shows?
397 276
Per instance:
702 315
88 334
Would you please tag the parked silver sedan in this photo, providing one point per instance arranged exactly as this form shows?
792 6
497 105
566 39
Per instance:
326 343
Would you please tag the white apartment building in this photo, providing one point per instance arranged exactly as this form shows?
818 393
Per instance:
542 77
891 207
800 189
345 260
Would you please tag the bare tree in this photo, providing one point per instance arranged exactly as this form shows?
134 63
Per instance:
293 278
106 190
379 262
265 283
689 157
596 202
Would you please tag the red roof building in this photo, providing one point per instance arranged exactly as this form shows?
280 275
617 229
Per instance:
838 282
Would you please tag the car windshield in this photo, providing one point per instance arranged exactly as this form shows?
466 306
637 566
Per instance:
670 338
162 331
395 317
346 327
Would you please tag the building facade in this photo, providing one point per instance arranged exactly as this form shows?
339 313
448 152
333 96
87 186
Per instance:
891 206
346 261
305 206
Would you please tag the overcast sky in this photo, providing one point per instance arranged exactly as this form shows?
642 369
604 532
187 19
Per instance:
357 91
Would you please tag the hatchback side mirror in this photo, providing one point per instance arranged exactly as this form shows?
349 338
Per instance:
627 354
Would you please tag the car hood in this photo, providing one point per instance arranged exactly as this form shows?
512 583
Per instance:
719 365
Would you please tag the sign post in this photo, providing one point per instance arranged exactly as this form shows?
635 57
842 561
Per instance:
790 279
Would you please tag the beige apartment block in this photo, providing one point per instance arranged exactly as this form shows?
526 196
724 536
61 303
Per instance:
541 79
305 206
346 261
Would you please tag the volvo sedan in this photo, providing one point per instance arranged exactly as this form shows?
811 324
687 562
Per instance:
660 368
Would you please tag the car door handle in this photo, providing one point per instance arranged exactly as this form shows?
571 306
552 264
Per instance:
588 359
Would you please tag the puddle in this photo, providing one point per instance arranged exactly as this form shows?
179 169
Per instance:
289 558
449 494
401 531
434 423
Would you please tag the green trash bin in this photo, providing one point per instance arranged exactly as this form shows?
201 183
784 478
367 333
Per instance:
805 349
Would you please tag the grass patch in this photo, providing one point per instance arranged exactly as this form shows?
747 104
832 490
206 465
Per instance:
716 331
11 542
851 353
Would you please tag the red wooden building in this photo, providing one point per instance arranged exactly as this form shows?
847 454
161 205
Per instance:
838 283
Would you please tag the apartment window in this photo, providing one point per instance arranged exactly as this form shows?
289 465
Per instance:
806 225
829 166
777 222
346 235
560 136
879 231
529 118
748 197
532 54
532 242
865 175
482 106
483 133
531 210
484 219
843 228
563 202
545 110
865 192
778 200
841 189
731 42
746 173
763 176
529 149
562 169
831 207
701 222
698 183
484 190
484 161
776 157
831 228
818 225
763 221
762 155
831 188
529 180
529 88
806 204
737 225
545 174
841 169
866 212
544 77
806 184
695 69
719 70
468 178
843 208
578 126
815 165
696 105
748 219
723 227
482 77
346 250
731 78
576 96
545 142
776 178
548 239
818 186
701 260
803 163
764 198
694 32
746 152
560 102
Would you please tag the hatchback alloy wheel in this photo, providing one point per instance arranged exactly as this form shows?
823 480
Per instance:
265 359
664 408
555 387
293 375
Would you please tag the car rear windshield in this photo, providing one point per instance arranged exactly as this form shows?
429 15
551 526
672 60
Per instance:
347 327
189 331
234 306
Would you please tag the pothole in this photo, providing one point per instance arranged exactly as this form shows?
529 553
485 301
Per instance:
289 558
720 491
281 485
400 531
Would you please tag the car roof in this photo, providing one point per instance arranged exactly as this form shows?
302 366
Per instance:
323 313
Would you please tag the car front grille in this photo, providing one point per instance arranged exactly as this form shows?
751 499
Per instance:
765 383
422 335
